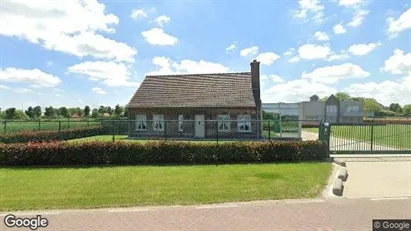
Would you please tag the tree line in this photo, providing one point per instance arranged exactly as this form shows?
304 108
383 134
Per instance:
371 105
50 112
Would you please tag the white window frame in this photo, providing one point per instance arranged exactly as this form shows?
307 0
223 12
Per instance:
158 123
353 108
141 121
224 121
244 120
180 123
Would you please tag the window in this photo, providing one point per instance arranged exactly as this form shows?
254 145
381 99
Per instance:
332 109
244 123
354 108
223 123
180 123
158 122
141 123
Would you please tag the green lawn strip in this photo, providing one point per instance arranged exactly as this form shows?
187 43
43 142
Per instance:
93 187
126 139
397 135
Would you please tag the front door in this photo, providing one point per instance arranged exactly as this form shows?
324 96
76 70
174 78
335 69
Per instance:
199 126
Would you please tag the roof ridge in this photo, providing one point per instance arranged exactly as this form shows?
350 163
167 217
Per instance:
199 74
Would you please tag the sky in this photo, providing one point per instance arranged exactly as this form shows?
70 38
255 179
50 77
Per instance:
97 52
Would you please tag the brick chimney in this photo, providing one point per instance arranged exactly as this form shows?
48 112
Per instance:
255 81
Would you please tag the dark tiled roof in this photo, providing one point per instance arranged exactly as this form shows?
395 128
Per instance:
195 90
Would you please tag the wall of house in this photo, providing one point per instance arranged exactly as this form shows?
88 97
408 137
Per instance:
313 110
171 124
350 116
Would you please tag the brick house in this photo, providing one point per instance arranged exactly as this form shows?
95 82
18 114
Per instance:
227 105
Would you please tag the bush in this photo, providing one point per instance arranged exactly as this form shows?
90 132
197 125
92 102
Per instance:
128 153
37 136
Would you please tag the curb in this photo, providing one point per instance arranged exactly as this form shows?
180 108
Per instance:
339 162
342 174
338 187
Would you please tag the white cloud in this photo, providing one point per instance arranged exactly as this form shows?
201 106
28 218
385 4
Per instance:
321 36
334 57
351 3
385 92
70 27
358 18
157 36
399 63
4 87
249 51
289 52
294 59
161 20
167 66
363 49
395 26
98 90
110 73
312 51
339 29
231 47
138 13
33 76
295 91
23 90
312 7
332 74
267 58
49 63
277 79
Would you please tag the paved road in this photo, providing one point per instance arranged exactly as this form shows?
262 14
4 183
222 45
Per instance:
317 214
342 144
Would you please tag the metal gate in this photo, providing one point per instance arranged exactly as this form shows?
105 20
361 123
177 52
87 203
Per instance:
367 138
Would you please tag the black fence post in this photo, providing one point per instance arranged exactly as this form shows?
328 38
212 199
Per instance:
372 136
68 123
5 126
39 125
216 127
59 126
114 136
88 122
269 130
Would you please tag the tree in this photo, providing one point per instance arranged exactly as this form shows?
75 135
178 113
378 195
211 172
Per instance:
395 107
118 110
125 114
109 110
372 106
63 111
49 111
10 113
314 98
29 112
407 109
87 111
37 111
342 96
269 115
95 113
101 110
20 115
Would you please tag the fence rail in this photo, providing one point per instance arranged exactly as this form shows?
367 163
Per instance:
175 129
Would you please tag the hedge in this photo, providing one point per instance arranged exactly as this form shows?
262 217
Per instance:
153 153
38 136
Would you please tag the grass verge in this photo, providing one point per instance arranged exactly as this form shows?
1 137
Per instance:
93 187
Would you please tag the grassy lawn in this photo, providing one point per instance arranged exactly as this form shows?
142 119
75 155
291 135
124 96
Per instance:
45 125
57 188
396 135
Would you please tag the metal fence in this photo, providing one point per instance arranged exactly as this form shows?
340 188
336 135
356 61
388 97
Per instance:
176 129
10 126
370 138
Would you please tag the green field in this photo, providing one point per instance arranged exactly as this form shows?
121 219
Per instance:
393 135
16 126
126 139
58 188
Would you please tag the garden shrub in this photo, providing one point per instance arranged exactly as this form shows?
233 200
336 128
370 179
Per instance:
38 136
159 152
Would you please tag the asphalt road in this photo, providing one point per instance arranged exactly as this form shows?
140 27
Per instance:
316 214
